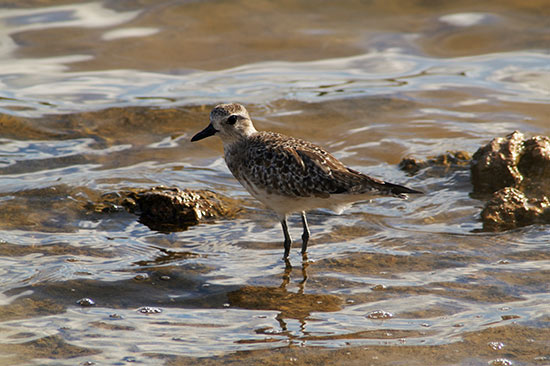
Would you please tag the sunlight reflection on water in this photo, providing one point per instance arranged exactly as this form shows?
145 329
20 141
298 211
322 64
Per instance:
270 81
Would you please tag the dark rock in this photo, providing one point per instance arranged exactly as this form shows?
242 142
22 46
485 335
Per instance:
162 206
510 208
534 165
513 169
168 209
517 170
448 161
495 165
513 161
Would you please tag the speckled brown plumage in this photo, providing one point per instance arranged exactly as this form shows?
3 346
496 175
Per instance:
294 168
289 174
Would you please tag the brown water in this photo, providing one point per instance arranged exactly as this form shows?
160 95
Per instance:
97 97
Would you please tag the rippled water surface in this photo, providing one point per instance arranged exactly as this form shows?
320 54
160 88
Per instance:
99 97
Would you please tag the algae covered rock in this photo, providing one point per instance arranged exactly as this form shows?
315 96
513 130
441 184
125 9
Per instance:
510 208
168 208
517 171
451 160
495 165
512 173
162 206
534 165
512 161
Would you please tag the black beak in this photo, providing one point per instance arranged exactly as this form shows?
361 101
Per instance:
208 131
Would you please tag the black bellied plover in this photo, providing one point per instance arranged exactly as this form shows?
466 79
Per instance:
288 174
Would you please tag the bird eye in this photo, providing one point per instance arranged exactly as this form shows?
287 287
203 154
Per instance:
232 119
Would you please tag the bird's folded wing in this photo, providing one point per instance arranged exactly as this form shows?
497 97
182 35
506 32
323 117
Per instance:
298 168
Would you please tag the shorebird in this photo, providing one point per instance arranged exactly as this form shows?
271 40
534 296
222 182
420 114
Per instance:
288 174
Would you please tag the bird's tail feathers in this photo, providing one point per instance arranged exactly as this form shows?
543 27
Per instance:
372 186
397 190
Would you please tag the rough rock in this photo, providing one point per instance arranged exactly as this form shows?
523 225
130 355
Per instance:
169 209
510 208
534 165
495 165
513 161
516 171
448 161
512 172
173 206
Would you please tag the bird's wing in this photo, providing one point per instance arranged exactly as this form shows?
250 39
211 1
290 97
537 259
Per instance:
297 168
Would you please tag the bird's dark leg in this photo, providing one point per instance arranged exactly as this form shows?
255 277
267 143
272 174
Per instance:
288 239
305 235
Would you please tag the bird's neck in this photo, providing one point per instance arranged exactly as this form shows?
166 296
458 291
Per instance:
232 143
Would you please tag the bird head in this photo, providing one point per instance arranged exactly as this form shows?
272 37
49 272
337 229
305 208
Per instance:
230 122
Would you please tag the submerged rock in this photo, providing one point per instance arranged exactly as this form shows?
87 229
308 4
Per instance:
85 302
149 310
379 314
168 209
510 208
449 160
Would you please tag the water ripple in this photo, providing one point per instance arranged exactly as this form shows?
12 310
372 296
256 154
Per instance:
516 75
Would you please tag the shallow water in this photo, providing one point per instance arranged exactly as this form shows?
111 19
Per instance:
98 97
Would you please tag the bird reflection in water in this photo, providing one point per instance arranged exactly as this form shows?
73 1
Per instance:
291 305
